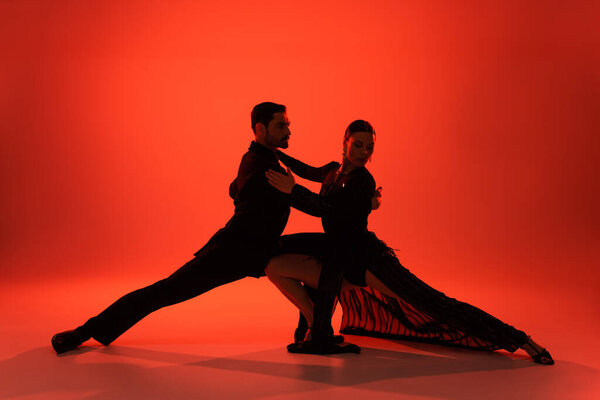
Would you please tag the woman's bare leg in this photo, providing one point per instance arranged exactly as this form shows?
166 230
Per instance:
287 271
376 284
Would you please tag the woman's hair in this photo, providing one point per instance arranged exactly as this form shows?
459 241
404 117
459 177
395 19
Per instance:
358 126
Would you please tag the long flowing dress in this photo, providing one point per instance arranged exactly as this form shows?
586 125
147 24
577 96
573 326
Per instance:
421 313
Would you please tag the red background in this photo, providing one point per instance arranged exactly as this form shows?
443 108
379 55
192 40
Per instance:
122 126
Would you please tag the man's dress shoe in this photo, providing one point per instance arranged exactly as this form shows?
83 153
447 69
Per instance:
65 341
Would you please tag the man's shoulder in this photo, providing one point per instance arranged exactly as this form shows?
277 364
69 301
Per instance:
251 165
253 161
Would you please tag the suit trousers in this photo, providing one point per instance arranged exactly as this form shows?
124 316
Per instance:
208 270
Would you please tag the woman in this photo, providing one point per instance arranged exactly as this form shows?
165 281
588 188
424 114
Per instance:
394 302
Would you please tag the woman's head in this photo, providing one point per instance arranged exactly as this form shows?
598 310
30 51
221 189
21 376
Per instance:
359 142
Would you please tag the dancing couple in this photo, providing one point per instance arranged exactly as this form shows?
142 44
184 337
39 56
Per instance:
347 262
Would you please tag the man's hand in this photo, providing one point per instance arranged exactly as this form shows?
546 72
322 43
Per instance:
282 182
376 200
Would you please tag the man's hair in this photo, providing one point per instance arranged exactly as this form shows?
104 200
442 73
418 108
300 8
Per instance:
263 113
358 126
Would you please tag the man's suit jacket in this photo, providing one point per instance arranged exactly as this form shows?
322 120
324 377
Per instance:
250 237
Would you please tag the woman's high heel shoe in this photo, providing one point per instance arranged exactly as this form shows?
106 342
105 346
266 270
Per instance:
543 358
540 356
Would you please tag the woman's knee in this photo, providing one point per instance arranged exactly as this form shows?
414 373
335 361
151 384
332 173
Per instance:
280 266
272 268
294 266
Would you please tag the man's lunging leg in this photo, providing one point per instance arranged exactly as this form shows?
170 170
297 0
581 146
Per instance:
199 275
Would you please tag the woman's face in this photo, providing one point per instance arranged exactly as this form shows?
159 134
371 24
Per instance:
359 148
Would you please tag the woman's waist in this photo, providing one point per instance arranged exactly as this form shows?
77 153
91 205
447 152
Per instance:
347 229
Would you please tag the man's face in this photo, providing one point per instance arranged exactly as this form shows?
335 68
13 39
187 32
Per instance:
278 132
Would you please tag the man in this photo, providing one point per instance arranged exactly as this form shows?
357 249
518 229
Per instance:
242 248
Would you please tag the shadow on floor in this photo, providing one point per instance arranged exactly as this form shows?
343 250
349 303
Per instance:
133 373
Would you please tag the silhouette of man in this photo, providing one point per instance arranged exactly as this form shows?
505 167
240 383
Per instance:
242 248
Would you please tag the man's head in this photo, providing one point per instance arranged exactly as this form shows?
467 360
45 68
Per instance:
270 125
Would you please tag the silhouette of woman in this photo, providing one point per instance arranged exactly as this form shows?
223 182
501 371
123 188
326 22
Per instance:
379 296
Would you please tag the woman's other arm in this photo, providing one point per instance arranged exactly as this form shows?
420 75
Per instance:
356 197
315 174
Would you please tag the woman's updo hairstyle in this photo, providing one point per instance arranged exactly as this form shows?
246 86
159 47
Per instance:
359 125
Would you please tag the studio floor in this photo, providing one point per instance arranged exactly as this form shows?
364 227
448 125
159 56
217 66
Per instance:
219 346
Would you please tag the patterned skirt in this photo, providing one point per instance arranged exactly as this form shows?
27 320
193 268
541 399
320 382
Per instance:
421 313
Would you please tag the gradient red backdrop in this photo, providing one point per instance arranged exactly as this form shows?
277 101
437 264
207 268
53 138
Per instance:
122 126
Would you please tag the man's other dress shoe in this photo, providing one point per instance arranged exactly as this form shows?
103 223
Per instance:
66 341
